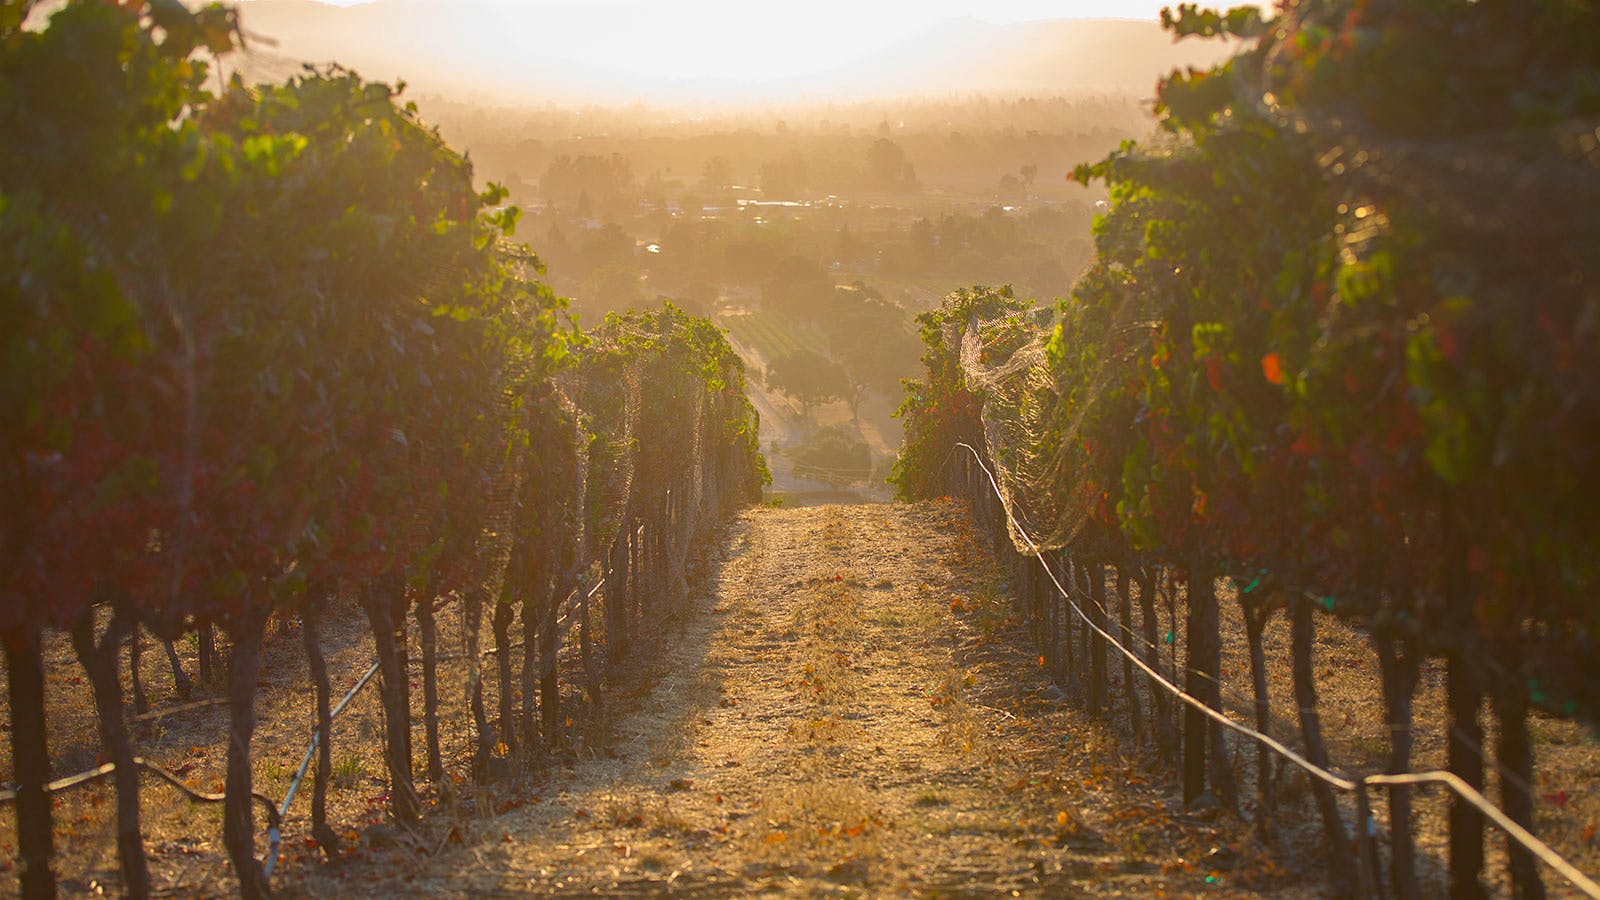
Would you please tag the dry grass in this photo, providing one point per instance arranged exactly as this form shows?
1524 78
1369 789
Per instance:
183 840
851 678
1351 706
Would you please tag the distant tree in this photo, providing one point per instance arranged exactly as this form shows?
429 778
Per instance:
717 176
1009 189
605 179
834 454
809 378
870 337
923 240
848 247
609 245
887 166
785 177
798 286
751 259
697 299
613 287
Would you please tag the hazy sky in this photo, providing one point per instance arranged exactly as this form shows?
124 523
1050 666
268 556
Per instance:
996 11
703 47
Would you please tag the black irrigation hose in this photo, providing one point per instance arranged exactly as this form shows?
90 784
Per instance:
274 820
1521 835
276 812
274 836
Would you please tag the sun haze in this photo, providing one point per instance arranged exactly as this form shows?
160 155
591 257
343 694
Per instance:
701 52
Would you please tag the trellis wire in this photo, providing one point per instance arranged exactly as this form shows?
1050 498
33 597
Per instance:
1527 839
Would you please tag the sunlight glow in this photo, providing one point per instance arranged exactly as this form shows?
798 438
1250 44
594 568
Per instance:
704 48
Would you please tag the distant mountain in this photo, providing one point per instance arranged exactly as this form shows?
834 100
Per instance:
481 49
1122 55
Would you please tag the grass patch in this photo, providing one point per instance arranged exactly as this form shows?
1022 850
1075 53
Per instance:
349 771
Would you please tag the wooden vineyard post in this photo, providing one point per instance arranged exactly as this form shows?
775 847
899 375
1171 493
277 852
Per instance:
1168 577
1367 843
1086 647
1069 624
1514 752
1052 627
549 662
1125 610
1399 664
1161 723
1098 688
637 573
471 627
528 678
586 648
616 594
1202 741
1194 721
207 653
1026 593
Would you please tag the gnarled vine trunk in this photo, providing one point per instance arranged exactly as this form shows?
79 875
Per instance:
506 729
471 621
1256 615
99 657
532 650
429 638
1302 632
311 632
238 815
206 653
506 726
379 601
141 703
30 756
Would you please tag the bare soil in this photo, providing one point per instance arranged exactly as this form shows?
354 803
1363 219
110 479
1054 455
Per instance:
847 706
847 710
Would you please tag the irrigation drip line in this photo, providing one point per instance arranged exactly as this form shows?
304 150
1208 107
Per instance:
162 713
274 836
1527 839
98 772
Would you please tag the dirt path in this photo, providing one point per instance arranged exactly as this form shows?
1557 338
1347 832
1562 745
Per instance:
848 709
